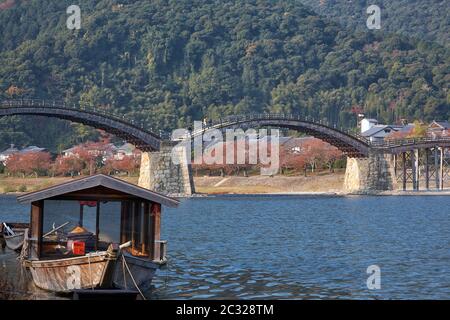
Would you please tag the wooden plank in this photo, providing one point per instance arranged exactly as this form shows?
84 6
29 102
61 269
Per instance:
36 224
156 229
436 165
146 228
416 163
413 167
125 222
97 225
404 170
136 225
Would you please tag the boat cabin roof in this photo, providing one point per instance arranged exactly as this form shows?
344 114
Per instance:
97 187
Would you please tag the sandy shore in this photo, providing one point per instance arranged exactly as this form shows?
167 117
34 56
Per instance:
322 184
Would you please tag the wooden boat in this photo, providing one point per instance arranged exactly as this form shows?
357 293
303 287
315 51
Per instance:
132 272
15 242
13 225
64 275
13 236
102 213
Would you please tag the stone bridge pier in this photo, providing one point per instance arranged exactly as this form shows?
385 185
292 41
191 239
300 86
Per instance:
160 173
370 175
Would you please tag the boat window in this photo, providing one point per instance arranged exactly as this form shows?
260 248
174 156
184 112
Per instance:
65 221
110 222
136 228
70 214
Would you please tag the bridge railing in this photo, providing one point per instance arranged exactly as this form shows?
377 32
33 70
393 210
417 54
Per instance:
393 143
26 103
236 119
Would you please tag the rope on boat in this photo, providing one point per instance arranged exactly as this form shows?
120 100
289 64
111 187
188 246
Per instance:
124 276
90 271
24 252
132 278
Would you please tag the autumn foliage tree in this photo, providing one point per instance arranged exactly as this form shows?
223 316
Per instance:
290 160
92 154
128 165
70 165
31 163
312 153
320 153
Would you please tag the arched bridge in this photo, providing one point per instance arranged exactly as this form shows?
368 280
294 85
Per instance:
143 139
349 143
375 176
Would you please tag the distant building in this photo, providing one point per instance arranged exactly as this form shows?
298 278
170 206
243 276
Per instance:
379 132
294 145
69 152
7 153
32 149
125 150
106 151
366 124
373 131
13 150
439 129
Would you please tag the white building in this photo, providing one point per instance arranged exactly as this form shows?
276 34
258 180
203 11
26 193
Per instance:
366 124
372 130
7 153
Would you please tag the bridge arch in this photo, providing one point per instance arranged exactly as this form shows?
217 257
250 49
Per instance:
349 143
141 138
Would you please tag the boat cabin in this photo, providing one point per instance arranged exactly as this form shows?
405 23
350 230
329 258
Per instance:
90 214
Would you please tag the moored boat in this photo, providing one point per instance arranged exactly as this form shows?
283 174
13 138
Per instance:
64 275
13 225
13 236
15 242
108 235
132 272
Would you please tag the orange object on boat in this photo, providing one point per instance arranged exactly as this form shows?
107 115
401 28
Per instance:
78 230
79 248
88 203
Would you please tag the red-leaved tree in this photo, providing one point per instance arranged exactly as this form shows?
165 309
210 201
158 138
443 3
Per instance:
36 163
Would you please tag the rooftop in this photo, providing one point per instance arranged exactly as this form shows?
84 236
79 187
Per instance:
443 124
104 185
380 129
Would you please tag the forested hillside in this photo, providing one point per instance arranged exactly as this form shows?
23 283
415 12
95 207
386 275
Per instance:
168 62
424 19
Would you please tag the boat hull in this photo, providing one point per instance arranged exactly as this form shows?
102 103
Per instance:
15 242
66 275
143 271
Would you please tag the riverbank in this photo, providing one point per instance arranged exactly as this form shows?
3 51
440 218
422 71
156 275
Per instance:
318 183
323 183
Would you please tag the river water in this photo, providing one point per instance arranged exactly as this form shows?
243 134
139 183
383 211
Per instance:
296 247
